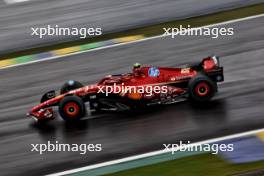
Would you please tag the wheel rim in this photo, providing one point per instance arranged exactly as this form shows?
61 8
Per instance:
202 89
71 109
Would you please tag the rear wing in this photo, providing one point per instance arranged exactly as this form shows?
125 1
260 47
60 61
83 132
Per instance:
211 66
211 62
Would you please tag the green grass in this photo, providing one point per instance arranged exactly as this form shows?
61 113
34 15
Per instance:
151 30
199 165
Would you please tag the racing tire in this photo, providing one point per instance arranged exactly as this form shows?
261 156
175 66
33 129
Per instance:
71 108
70 85
201 88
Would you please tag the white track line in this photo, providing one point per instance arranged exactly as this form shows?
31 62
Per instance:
137 41
136 157
15 1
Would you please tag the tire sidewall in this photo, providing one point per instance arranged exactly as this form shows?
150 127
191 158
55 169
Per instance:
194 82
68 101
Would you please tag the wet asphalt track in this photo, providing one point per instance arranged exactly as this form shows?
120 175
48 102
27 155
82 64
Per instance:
237 107
17 19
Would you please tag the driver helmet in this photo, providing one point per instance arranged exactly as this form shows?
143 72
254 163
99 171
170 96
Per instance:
136 65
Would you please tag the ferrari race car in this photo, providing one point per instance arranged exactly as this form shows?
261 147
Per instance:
145 86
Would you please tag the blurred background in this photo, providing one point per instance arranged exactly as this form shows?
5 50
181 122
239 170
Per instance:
18 16
238 106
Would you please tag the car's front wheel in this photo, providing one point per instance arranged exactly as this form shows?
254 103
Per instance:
72 108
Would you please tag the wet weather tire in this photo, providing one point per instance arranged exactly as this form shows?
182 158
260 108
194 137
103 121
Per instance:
201 88
71 108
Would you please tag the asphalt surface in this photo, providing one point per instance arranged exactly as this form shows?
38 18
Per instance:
237 107
17 19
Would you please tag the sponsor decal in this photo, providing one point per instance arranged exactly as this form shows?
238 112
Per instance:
153 72
172 78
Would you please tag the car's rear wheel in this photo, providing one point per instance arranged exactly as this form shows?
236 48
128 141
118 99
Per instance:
201 88
72 108
70 85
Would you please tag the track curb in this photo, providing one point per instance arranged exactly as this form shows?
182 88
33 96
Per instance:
69 50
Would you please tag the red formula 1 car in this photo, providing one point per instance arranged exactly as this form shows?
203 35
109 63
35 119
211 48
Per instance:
145 86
